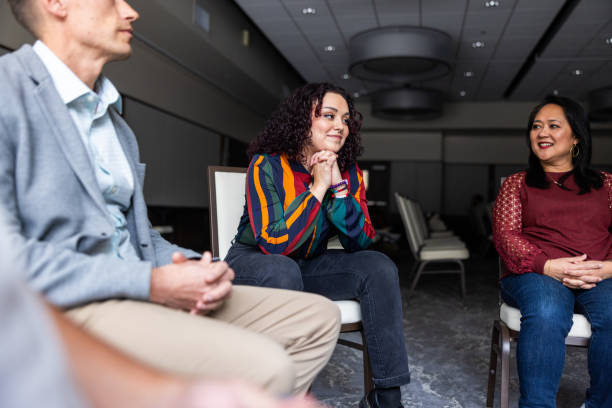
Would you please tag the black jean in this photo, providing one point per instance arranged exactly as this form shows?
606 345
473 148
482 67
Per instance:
369 276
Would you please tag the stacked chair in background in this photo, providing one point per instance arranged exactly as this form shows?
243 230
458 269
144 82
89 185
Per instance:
430 247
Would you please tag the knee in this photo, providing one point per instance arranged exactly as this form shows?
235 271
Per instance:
282 272
601 321
330 317
547 316
380 268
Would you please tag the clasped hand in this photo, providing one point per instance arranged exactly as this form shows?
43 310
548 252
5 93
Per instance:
325 172
199 286
575 272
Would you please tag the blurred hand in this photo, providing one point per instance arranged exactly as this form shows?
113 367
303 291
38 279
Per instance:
574 272
235 394
198 286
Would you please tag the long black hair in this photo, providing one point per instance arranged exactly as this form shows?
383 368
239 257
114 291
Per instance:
585 176
288 129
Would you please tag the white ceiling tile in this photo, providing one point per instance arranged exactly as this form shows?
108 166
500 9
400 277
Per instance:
510 33
399 19
443 6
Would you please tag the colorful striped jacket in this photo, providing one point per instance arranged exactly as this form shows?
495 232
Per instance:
281 216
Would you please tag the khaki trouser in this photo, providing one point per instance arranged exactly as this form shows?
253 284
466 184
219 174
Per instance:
273 338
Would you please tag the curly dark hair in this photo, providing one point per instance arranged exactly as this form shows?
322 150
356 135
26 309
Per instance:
288 129
584 175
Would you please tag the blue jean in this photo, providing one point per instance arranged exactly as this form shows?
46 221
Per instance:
369 276
546 307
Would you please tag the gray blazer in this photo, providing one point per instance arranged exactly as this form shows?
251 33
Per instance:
48 188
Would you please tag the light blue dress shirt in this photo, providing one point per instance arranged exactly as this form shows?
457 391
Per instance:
89 111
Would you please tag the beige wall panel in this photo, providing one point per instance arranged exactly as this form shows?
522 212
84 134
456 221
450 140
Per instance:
393 145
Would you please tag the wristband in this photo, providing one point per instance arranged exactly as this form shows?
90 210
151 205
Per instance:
343 182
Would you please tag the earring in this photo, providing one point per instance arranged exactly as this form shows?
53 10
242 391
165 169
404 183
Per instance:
574 151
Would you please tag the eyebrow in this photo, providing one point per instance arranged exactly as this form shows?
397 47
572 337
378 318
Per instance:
549 120
334 109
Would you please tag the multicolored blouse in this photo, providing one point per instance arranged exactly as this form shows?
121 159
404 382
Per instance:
281 216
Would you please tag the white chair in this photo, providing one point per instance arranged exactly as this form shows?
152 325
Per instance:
505 331
430 253
426 230
227 201
422 233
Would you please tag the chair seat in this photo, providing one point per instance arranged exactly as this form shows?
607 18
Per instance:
334 243
428 253
512 317
441 234
449 241
350 311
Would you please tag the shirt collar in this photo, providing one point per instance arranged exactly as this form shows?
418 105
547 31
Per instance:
69 86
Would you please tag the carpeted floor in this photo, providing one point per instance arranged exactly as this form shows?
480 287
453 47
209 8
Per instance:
448 343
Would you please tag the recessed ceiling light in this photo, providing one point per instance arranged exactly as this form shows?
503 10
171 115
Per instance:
577 72
309 11
355 94
478 44
345 76
492 3
555 92
329 48
609 40
462 93
468 74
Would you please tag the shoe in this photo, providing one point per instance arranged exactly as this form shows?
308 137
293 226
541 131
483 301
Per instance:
371 400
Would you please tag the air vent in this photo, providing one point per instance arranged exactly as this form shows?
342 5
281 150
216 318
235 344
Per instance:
400 54
407 104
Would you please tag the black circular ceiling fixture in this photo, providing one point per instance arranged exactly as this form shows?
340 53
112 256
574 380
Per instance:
407 103
600 105
400 54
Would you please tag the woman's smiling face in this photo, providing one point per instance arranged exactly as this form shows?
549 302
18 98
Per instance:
330 130
552 138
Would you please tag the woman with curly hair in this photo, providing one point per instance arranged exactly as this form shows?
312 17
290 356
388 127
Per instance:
304 186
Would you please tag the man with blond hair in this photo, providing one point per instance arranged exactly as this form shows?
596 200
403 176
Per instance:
71 179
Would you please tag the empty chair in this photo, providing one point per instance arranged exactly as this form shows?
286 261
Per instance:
428 232
426 254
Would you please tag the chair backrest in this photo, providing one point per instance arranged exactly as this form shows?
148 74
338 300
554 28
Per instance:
410 232
422 222
412 215
227 199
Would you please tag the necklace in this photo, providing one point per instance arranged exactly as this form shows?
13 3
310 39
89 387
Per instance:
561 180
557 183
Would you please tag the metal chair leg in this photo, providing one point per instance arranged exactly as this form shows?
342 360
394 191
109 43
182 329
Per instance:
368 384
505 367
493 365
417 276
462 277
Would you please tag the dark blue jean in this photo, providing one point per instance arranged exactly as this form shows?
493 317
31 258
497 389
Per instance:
546 307
369 276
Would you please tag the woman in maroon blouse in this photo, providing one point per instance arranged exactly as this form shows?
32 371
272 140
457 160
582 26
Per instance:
552 229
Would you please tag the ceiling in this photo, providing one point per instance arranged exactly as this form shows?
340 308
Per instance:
532 47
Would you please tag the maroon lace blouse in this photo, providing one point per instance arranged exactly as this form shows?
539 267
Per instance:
531 225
